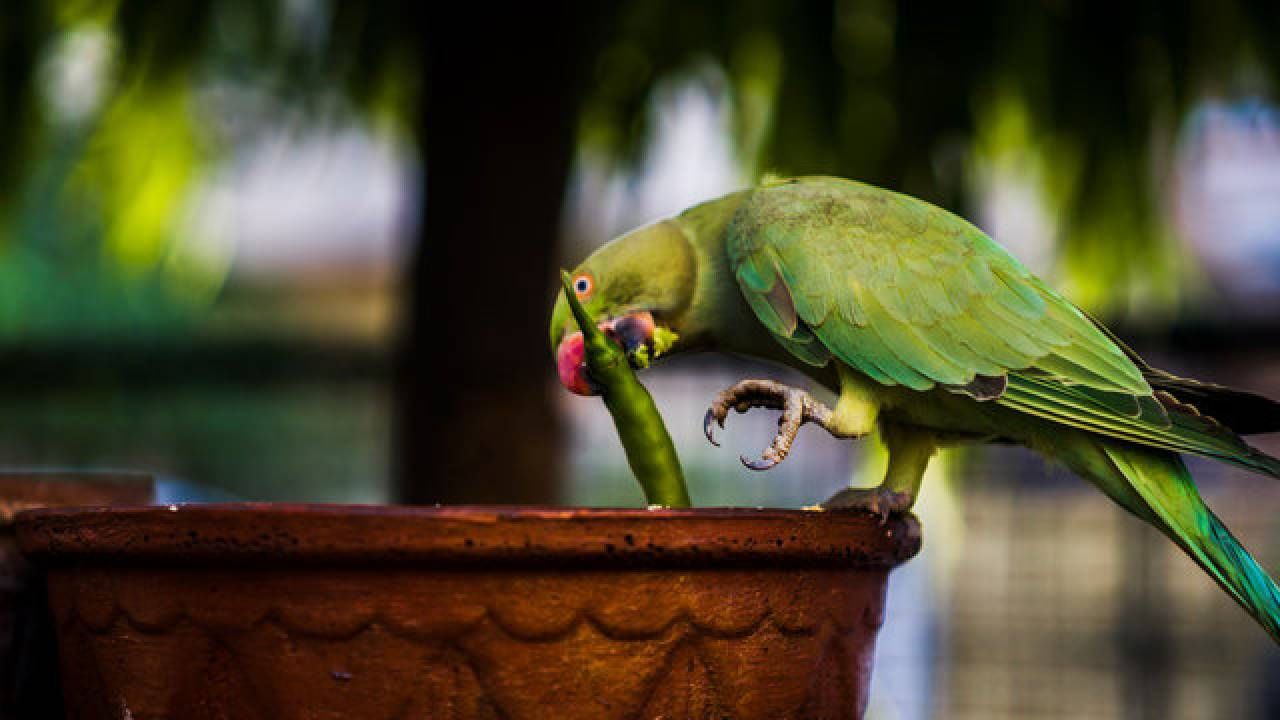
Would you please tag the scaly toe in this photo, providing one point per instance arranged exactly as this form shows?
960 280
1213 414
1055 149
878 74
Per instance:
878 501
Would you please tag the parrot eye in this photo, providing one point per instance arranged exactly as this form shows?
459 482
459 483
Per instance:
582 285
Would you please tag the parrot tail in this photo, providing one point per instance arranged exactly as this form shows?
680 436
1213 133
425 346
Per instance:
1163 493
1259 461
1244 412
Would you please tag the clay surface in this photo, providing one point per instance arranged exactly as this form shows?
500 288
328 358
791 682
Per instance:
281 612
28 664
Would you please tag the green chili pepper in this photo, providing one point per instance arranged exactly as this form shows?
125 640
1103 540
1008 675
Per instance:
644 436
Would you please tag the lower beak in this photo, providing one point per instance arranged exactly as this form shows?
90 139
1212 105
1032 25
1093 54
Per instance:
633 332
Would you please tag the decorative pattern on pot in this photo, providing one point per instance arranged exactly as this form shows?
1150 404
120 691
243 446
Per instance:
584 637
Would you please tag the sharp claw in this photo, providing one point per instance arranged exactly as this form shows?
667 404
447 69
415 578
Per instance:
749 394
709 429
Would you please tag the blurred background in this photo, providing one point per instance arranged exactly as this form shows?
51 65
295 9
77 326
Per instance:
304 249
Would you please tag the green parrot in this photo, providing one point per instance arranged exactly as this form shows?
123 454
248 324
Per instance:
929 332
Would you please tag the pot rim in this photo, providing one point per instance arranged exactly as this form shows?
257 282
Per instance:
238 533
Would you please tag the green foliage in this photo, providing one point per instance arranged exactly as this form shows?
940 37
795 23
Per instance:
901 95
101 154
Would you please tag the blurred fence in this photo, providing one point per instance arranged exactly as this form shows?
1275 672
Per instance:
286 420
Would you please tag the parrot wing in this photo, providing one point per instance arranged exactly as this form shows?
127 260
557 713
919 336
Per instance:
910 294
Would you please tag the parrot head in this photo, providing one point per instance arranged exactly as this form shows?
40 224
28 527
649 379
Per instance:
638 288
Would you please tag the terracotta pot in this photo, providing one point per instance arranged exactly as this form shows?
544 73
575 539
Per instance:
261 611
28 664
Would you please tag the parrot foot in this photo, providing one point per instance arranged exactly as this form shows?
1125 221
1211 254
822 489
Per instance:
879 501
798 407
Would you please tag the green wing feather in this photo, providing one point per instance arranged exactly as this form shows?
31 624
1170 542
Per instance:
909 293
912 295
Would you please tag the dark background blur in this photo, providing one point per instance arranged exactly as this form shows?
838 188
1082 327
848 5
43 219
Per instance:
304 250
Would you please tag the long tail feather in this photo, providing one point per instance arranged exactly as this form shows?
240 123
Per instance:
1165 487
1175 431
1259 461
1244 412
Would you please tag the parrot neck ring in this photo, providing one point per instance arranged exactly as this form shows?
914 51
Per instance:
636 333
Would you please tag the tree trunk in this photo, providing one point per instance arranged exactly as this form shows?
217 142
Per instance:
476 422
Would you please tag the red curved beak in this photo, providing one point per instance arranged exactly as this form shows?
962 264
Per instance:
571 364
630 331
